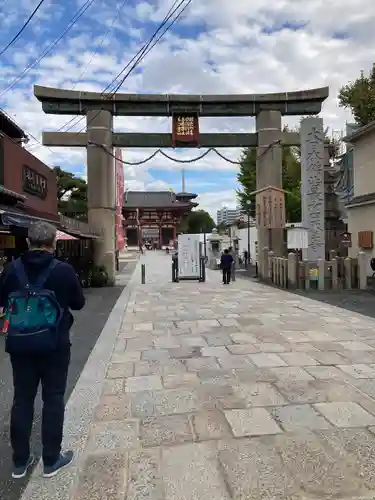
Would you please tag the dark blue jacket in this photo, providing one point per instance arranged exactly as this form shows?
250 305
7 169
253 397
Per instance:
62 280
226 261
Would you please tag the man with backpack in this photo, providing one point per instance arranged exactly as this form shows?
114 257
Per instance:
37 292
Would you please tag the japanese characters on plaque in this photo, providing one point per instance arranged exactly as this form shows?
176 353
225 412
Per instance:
312 186
185 130
270 208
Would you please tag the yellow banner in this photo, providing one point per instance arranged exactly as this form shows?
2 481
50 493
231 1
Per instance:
7 241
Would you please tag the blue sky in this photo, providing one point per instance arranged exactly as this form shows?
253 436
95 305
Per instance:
216 47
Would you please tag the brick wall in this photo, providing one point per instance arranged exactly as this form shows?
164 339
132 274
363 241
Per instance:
14 159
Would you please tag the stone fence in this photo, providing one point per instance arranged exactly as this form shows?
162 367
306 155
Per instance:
336 274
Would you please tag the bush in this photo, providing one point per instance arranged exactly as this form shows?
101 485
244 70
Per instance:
99 277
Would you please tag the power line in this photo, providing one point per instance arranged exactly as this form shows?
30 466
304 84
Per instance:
119 10
147 48
16 37
71 23
144 51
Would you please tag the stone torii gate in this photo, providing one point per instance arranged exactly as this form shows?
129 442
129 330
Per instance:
100 139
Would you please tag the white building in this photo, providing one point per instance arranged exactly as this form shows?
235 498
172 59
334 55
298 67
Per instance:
228 215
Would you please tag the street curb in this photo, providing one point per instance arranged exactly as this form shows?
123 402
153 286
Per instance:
80 408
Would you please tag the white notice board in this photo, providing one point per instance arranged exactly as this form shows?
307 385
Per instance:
298 237
188 256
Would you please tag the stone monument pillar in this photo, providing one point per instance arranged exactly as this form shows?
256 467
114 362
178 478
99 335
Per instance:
269 173
312 186
101 187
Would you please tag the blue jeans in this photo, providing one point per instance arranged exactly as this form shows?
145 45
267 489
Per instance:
52 372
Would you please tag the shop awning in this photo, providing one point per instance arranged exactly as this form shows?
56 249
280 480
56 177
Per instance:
12 218
60 235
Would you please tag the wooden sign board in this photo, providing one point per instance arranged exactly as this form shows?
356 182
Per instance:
270 208
185 130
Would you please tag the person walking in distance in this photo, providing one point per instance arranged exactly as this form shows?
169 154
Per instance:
233 268
37 292
226 262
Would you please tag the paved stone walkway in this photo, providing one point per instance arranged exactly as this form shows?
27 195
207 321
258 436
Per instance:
238 392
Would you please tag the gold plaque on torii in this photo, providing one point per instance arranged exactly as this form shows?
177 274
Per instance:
270 207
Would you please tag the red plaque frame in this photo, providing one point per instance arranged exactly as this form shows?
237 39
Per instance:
185 130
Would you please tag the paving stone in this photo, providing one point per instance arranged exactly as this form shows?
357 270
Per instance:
347 414
114 387
208 323
155 355
214 352
255 374
315 471
291 373
197 341
259 394
185 352
318 336
316 391
126 357
303 347
356 346
201 480
102 477
113 408
297 417
167 342
367 357
140 343
243 338
229 322
167 430
253 470
358 370
242 349
218 376
329 347
180 380
294 336
217 339
328 358
357 445
120 370
113 436
170 366
298 359
251 422
249 320
222 397
326 372
204 363
144 480
145 383
267 360
143 327
231 361
270 347
209 425
166 402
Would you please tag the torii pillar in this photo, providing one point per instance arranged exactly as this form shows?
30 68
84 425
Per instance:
101 187
269 173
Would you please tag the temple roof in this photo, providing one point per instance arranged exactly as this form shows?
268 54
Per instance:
152 199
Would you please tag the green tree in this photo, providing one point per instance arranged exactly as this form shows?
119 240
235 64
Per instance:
71 194
197 221
359 97
291 182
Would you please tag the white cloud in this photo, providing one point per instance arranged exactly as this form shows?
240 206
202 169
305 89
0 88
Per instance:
232 54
